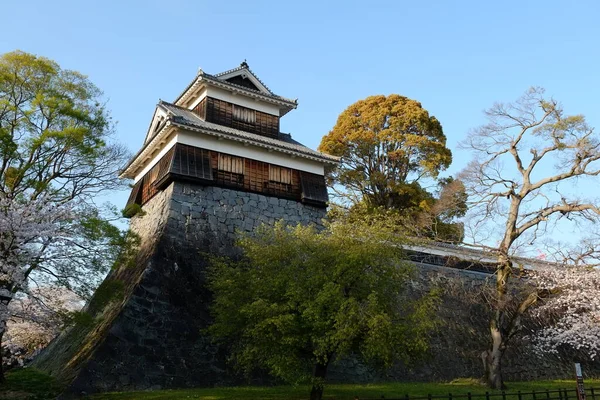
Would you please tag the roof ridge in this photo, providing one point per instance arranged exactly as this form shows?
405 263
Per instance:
242 66
270 94
258 79
161 102
481 252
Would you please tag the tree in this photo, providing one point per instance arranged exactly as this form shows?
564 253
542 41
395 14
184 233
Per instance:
548 153
386 145
36 319
571 314
55 158
301 298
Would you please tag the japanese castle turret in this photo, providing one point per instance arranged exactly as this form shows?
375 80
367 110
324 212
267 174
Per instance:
213 164
223 131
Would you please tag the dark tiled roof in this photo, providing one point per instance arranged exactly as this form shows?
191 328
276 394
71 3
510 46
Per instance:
216 78
243 65
270 94
187 117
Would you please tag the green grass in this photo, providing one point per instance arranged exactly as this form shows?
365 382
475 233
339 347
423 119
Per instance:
33 385
339 392
29 384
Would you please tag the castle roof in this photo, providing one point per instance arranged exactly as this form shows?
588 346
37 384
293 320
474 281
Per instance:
238 80
187 119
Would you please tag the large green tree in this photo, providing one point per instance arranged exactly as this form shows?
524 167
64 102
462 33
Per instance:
56 157
300 298
386 145
391 149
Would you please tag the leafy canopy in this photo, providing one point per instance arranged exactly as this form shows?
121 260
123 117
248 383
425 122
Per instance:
300 298
56 157
386 145
54 132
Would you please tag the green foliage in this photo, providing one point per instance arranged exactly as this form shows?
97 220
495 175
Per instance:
29 384
128 250
109 290
54 131
302 297
133 209
386 144
55 149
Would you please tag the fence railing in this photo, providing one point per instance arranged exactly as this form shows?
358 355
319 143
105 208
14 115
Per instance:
559 394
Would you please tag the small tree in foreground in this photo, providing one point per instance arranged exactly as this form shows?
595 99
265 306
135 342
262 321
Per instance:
300 298
522 182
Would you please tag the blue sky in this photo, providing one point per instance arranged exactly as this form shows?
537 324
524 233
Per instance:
455 57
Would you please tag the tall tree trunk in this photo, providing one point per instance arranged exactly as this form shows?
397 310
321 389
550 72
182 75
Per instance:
492 359
319 374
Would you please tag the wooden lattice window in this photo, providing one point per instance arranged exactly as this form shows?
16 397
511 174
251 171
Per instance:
135 197
153 174
230 170
192 161
244 114
231 164
280 174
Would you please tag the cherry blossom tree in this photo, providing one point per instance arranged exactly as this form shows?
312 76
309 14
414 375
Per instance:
36 318
56 157
571 314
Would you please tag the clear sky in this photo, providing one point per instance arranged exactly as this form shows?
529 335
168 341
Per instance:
455 57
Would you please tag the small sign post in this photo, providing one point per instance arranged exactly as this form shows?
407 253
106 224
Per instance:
579 377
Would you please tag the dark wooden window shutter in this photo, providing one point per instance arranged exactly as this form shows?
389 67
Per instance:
314 190
192 161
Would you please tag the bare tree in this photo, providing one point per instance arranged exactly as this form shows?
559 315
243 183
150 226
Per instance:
528 161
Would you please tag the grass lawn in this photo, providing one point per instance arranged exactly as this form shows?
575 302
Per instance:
344 392
33 385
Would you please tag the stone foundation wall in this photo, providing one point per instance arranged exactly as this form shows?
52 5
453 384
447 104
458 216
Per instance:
153 336
455 349
158 339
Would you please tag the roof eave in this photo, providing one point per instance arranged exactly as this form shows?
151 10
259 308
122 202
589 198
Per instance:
128 171
286 105
326 159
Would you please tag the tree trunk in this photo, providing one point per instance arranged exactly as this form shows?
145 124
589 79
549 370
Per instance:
492 360
319 374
